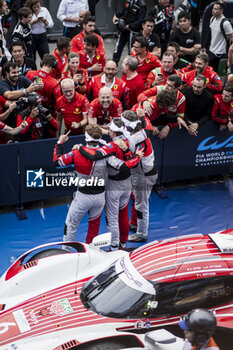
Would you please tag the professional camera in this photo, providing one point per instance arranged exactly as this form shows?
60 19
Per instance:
121 24
20 103
33 100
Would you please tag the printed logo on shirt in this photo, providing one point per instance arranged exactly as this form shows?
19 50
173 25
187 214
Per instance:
189 41
35 178
77 111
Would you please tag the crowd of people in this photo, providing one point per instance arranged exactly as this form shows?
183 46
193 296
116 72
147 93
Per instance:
168 81
165 54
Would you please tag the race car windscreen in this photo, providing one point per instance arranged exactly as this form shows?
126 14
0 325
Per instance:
119 292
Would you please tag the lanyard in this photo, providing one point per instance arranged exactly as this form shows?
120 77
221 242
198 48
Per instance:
106 115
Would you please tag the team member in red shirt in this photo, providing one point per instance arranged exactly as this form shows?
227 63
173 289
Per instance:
158 76
6 104
222 111
90 58
38 126
73 107
77 43
51 90
146 60
177 110
213 81
73 71
104 108
12 131
166 111
118 87
133 80
60 53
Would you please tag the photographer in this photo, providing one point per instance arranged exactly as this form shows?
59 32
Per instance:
40 123
14 86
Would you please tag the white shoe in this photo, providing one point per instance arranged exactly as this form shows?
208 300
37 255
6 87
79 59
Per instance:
137 238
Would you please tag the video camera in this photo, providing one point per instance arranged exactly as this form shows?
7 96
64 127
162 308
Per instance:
33 100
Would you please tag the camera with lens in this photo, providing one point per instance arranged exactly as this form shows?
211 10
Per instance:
20 103
43 111
33 100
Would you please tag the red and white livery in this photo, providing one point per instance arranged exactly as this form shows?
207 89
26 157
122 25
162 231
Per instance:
74 300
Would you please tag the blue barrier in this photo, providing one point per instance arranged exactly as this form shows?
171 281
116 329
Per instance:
37 156
27 171
9 174
190 157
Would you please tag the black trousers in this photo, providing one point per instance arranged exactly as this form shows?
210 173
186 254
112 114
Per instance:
40 44
214 60
124 38
68 32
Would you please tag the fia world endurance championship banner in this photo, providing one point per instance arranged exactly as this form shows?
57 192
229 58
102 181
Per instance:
214 152
186 156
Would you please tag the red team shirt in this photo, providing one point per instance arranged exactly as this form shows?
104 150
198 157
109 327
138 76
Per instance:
62 61
104 117
145 67
78 43
154 73
178 109
3 137
222 110
190 67
135 87
35 127
213 81
73 111
51 90
2 125
150 93
87 62
78 88
118 87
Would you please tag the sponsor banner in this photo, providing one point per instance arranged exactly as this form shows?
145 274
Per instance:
186 156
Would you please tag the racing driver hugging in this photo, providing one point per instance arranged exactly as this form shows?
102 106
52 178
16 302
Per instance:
41 124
